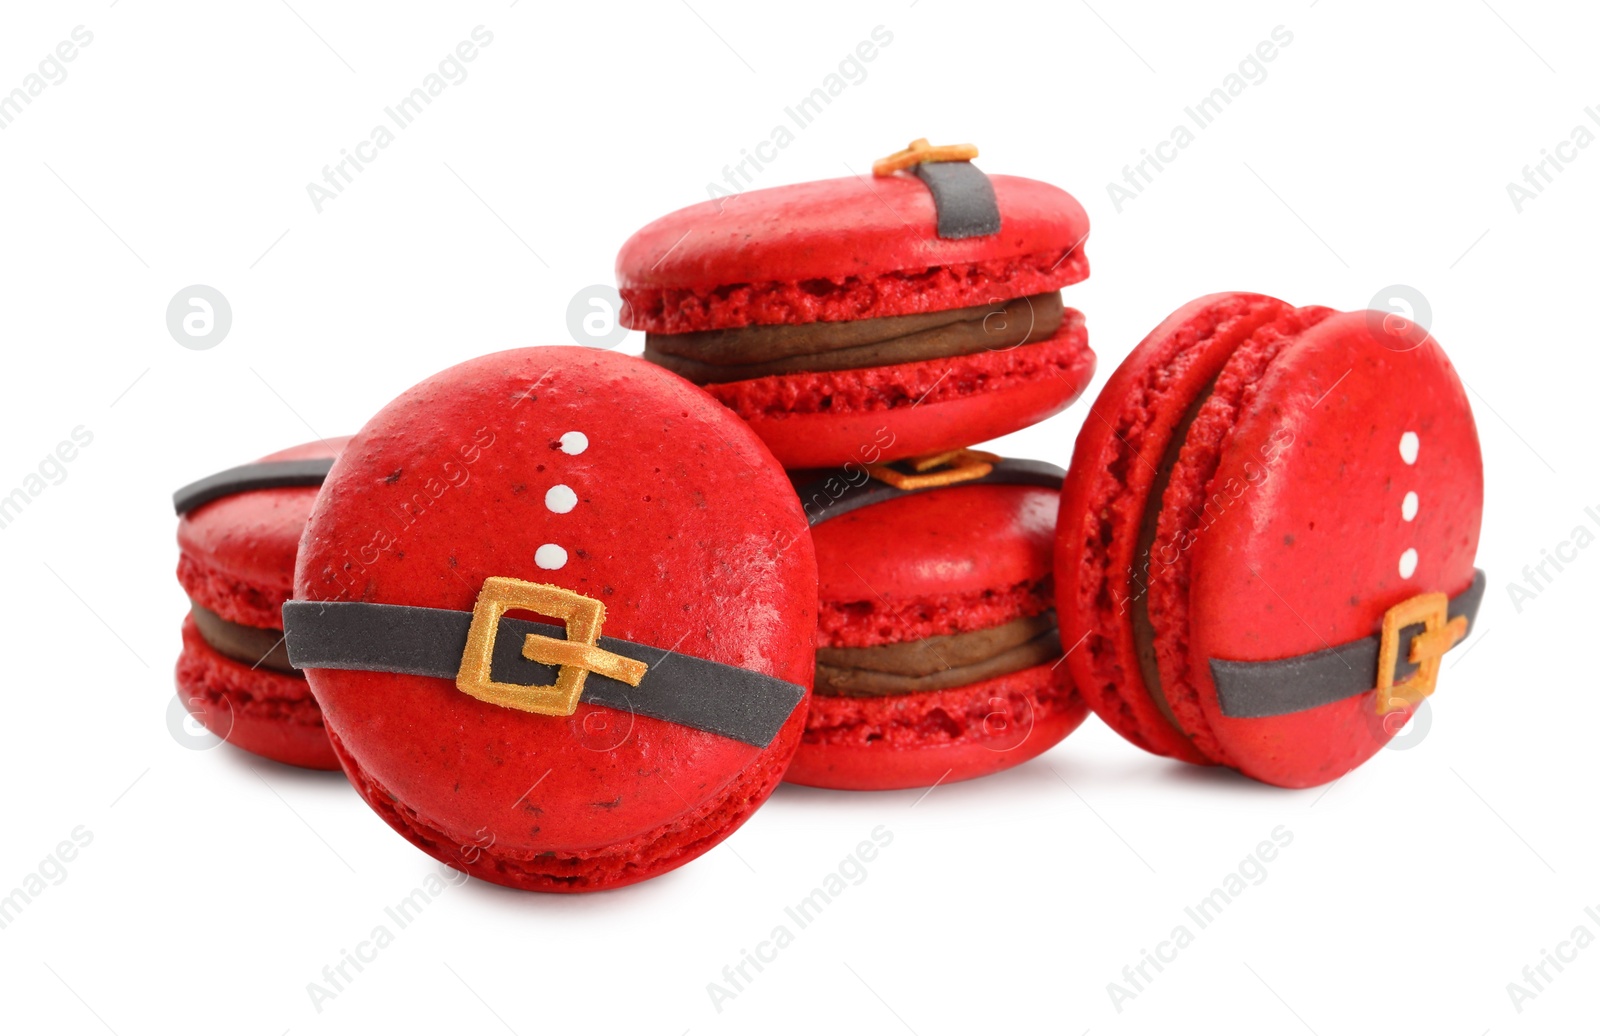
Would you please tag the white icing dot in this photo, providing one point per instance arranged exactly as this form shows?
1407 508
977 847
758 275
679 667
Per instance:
1408 563
574 443
562 499
1408 506
1408 447
553 555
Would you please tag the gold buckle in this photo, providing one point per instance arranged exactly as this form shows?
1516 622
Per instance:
575 656
1440 633
934 470
921 151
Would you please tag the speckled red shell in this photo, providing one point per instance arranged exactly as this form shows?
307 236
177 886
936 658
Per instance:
843 249
1285 527
679 522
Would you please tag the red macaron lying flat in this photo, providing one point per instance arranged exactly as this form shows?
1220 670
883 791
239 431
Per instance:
657 695
938 658
1267 536
238 535
906 313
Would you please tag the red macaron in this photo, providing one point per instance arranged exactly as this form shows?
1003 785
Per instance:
238 534
658 700
905 313
938 658
1266 538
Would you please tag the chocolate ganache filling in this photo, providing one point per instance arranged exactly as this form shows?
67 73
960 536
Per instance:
938 663
251 645
735 354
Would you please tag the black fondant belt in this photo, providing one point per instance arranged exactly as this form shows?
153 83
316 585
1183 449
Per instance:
963 198
1401 662
246 478
830 496
530 666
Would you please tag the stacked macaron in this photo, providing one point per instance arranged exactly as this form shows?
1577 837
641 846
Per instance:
238 535
868 330
871 319
938 657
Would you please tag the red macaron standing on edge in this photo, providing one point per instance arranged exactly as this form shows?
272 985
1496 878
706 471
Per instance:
938 656
238 534
558 606
870 318
1266 537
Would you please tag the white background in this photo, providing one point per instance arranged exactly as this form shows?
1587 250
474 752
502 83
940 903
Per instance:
177 151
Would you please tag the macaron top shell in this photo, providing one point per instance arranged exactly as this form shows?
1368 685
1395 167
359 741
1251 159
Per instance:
842 249
935 563
596 473
237 553
960 540
1332 536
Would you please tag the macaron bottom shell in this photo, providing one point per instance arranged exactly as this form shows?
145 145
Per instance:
667 847
262 711
936 737
812 420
